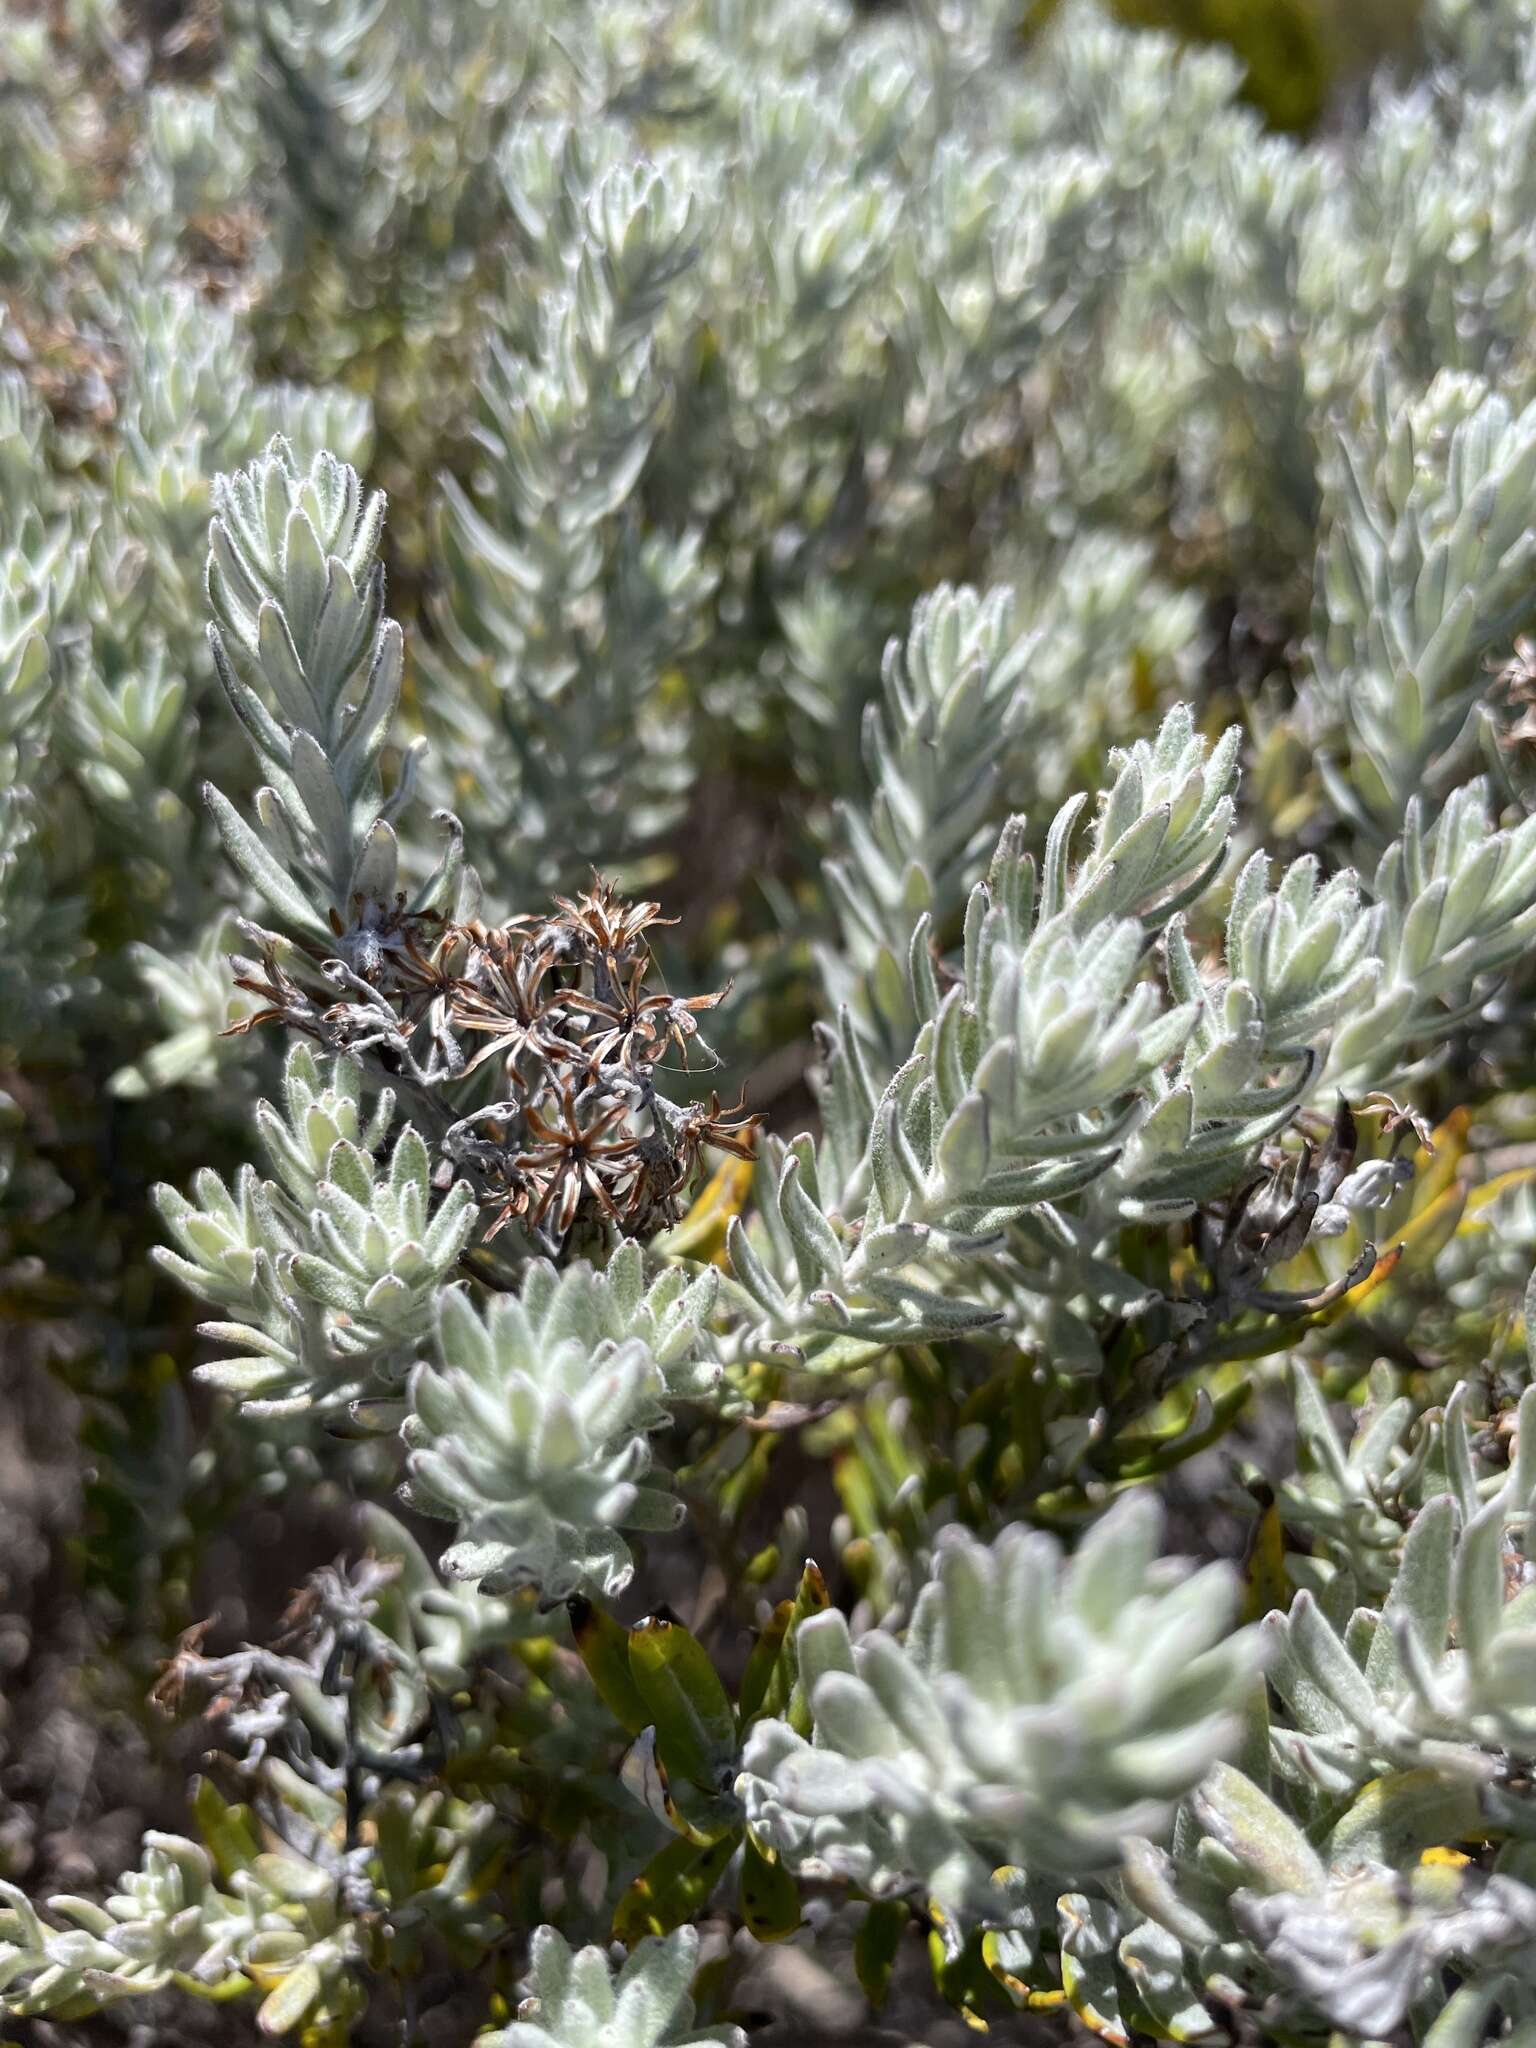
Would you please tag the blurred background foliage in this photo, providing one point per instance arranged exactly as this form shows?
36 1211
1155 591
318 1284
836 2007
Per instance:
1298 56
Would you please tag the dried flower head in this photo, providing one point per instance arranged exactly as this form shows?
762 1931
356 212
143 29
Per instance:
568 1005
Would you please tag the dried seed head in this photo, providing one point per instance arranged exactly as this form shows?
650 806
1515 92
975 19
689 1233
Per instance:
582 1138
569 1007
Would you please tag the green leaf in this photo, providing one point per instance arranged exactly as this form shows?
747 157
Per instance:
1464 2021
818 1255
963 1979
262 870
1088 1966
1393 1820
760 1665
964 1146
1013 1957
770 1902
1479 1580
875 1946
375 869
683 1697
603 1646
1266 1583
226 1830
1421 1593
1153 1962
783 1689
1131 1458
283 670
316 784
327 1283
1273 1850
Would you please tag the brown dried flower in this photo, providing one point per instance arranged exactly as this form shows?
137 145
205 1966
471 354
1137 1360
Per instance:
566 1006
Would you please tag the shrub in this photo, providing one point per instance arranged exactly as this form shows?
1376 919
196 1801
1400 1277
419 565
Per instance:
899 932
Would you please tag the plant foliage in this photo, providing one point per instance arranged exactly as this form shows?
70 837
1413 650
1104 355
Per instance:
828 1048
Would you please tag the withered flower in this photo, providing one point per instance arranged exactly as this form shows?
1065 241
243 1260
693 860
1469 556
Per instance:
583 1138
573 1155
500 994
565 1006
609 925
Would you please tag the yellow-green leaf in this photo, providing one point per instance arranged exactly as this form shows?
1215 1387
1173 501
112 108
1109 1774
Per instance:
226 1830
1266 1583
284 2007
1393 1819
781 1693
673 1887
759 1668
